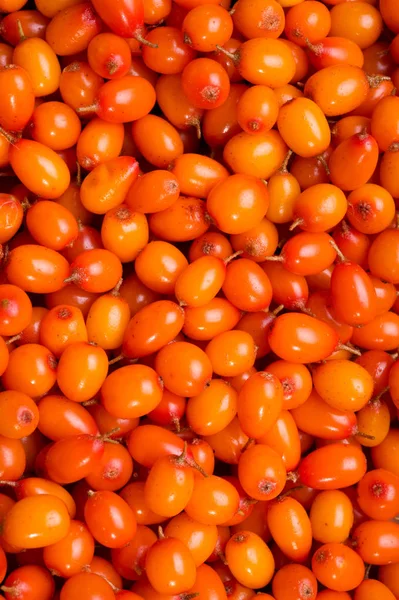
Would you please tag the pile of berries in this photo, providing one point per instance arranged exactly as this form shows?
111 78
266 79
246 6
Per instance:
199 311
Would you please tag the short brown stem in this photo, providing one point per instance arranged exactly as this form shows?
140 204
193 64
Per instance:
295 224
14 338
350 349
83 110
232 257
145 42
20 30
323 161
235 57
116 359
249 443
115 291
340 254
284 166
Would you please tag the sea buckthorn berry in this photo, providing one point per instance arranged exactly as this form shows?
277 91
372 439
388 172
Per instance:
362 24
175 106
372 586
371 208
206 27
15 310
247 286
334 50
16 114
200 282
169 485
51 225
197 175
261 472
99 141
184 368
212 410
382 333
214 500
331 516
199 538
20 414
231 353
307 21
385 245
248 203
257 109
159 265
257 243
289 289
303 127
205 83
36 522
220 124
319 208
38 167
294 581
79 85
109 518
290 527
178 571
250 560
28 580
55 125
260 402
124 232
95 270
39 372
255 155
354 161
68 556
384 123
59 30
295 380
171 54
61 418
371 538
357 384
153 192
151 328
82 370
338 567
36 269
266 61
107 320
121 100
183 221
107 185
327 422
163 146
130 560
263 18
205 322
89 584
109 55
310 339
333 466
141 390
62 326
11 216
378 494
12 459
337 89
